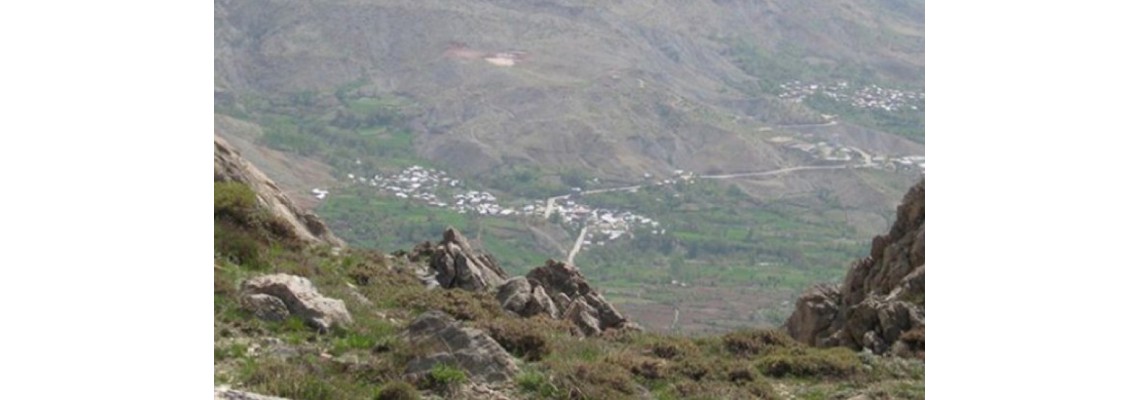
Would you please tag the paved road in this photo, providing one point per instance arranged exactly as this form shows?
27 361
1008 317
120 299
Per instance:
550 205
778 171
550 202
577 245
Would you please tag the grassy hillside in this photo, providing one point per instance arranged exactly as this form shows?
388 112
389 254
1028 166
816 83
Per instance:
367 359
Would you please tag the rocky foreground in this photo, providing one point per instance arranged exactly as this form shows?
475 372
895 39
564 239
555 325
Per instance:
881 305
299 316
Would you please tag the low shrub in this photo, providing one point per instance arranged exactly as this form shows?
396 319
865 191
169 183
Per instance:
461 304
398 390
238 246
672 348
592 380
638 365
525 338
234 201
837 362
537 383
915 342
754 342
446 377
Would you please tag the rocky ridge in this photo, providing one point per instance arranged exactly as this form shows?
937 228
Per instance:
880 306
456 265
556 289
305 226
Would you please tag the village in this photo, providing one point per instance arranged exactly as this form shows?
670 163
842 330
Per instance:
435 188
872 96
603 225
830 152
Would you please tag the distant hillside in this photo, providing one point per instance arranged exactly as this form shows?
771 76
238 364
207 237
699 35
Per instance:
614 88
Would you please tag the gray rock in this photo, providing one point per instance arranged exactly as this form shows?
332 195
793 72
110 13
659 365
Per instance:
472 350
575 300
457 265
519 296
584 317
230 394
816 312
265 307
301 298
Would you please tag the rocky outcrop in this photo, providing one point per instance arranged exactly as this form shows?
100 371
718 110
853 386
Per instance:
575 300
483 359
305 226
881 304
298 296
519 296
457 265
557 290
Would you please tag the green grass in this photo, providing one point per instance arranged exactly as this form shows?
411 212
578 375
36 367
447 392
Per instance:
444 376
717 235
367 219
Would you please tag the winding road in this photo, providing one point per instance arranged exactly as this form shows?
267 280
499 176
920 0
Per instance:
778 171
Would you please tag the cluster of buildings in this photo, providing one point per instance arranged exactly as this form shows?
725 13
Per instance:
837 153
482 203
604 225
872 96
680 176
436 188
415 182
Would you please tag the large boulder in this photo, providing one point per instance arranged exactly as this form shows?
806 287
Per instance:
521 297
882 299
266 307
820 308
457 265
299 297
575 300
305 226
483 359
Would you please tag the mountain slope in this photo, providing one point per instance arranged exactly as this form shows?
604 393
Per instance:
615 88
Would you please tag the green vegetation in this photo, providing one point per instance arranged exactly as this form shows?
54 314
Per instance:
337 128
368 358
244 233
715 234
398 390
365 219
446 377
910 124
529 182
